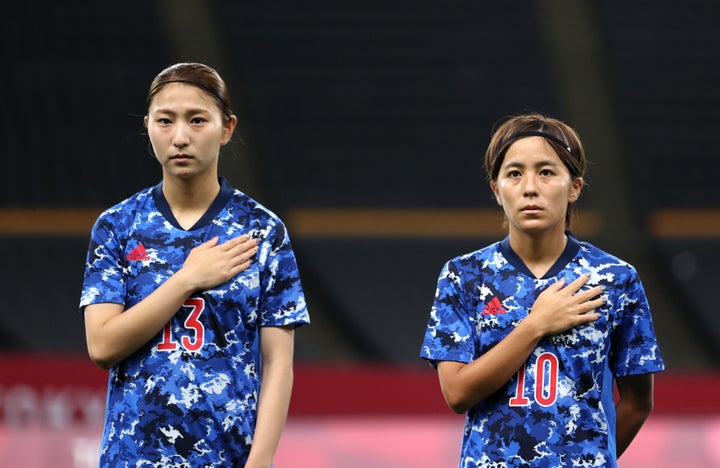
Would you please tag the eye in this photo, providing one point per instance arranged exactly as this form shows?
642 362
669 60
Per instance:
163 121
512 174
198 120
547 172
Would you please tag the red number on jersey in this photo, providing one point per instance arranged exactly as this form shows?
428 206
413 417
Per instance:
167 343
520 399
192 322
546 382
546 379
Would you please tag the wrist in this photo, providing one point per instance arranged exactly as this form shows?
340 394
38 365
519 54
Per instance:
183 281
254 462
532 326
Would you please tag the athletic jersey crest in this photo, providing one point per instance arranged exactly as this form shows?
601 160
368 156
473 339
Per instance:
558 410
189 397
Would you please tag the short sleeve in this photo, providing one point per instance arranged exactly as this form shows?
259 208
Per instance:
449 334
282 301
104 280
634 348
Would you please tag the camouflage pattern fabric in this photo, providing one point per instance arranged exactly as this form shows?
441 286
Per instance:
189 397
558 409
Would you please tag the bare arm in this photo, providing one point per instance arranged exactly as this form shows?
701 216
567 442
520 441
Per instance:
556 309
633 407
112 333
277 348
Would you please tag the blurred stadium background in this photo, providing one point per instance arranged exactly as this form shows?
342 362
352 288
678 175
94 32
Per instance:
363 125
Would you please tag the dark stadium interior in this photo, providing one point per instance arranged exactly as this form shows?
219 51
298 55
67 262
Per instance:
369 105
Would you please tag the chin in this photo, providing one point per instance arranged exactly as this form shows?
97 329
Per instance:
537 227
180 175
529 224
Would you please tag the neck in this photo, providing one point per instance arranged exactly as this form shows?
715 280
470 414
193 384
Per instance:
539 251
190 194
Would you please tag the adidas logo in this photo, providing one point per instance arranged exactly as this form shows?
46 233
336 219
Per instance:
494 307
138 254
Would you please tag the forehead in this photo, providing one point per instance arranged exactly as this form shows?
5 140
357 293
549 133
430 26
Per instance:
177 97
529 151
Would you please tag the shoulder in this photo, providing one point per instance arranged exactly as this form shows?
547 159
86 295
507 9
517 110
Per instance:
246 203
597 255
605 263
488 255
259 220
122 214
469 267
137 201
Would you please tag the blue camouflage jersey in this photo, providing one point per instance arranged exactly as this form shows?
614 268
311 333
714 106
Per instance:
188 398
558 410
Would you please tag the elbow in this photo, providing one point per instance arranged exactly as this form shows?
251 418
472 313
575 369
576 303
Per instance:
642 408
459 408
103 364
457 402
635 412
647 407
102 359
458 390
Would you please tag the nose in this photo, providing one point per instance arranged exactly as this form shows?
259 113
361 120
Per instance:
529 185
180 137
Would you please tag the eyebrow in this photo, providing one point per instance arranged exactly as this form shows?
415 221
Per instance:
545 162
192 111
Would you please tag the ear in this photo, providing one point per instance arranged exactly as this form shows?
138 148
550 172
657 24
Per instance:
575 189
228 129
494 188
145 121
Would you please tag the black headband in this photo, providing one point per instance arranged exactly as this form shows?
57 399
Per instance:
547 136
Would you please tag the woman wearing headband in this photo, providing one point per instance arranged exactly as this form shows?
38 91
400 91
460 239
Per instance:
189 287
530 334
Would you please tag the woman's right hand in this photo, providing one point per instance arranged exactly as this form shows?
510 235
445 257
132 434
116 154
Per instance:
560 308
211 264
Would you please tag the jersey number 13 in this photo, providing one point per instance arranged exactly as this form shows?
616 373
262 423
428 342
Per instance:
195 339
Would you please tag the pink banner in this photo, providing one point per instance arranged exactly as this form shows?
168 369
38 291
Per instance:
355 415
374 441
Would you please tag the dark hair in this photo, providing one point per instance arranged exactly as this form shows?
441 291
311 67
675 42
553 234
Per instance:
560 136
194 74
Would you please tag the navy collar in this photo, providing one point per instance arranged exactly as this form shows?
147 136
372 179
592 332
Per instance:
571 249
215 208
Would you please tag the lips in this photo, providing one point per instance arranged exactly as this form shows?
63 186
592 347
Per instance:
180 157
531 209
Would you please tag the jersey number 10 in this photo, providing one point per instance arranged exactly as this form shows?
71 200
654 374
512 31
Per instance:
192 323
546 382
